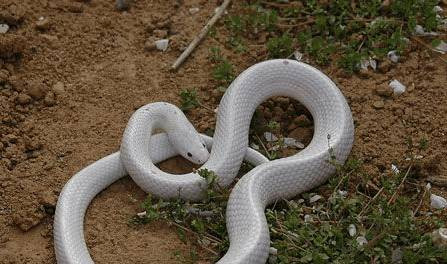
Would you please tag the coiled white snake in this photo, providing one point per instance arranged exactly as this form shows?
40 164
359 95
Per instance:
268 182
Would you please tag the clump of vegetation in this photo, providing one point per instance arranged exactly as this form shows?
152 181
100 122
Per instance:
223 70
343 31
188 99
280 47
352 223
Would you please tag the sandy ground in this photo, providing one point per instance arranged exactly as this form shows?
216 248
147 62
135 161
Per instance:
65 101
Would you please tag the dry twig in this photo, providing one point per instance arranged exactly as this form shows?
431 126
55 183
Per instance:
195 42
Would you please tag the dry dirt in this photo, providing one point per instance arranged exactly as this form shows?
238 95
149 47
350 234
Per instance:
69 84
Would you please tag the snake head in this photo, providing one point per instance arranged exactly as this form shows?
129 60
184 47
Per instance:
190 145
184 137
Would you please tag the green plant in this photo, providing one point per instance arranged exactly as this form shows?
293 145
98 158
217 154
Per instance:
223 72
342 30
188 99
280 47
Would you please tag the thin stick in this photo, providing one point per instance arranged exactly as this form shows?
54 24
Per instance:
201 35
398 187
369 202
420 202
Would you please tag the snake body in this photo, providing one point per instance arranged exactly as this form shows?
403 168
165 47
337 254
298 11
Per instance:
266 183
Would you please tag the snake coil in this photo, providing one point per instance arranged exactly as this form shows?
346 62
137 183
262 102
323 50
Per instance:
269 181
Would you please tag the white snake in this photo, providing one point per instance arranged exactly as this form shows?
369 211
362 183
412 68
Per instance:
279 179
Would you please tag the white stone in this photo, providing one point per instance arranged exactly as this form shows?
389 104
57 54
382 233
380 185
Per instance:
343 193
162 44
438 202
4 28
142 214
308 218
392 56
419 30
315 198
194 10
398 88
352 230
361 240
273 251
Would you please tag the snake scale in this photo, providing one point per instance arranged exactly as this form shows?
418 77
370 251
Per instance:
269 181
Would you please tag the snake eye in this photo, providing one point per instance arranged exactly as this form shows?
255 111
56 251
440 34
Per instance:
189 154
204 145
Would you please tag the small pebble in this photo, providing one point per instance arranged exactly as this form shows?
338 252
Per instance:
43 23
142 214
361 240
270 137
419 30
308 218
273 251
315 198
193 10
438 202
352 230
392 56
343 193
162 44
395 169
4 28
398 88
379 104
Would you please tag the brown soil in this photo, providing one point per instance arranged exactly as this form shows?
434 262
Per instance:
68 86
